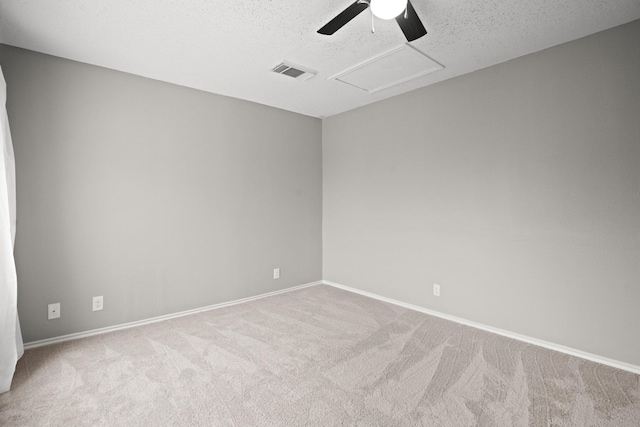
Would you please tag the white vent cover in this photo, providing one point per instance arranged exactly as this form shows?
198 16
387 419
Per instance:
295 71
389 69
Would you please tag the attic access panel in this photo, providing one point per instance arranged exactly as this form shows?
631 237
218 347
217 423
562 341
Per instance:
389 69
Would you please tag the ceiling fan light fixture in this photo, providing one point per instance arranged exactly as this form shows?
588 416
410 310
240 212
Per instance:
388 9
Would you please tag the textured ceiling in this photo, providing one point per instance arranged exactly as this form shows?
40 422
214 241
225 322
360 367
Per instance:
229 46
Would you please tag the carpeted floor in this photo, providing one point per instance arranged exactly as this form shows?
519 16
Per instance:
317 356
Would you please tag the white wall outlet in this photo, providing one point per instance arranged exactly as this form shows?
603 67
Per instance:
54 311
436 289
97 303
276 273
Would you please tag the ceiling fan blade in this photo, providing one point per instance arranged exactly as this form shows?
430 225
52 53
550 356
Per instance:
411 26
345 16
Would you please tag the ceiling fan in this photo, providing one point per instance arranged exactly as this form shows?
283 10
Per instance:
401 10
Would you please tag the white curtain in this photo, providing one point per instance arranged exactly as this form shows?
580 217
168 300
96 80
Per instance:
11 347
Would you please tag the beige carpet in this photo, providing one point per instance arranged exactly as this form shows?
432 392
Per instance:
317 356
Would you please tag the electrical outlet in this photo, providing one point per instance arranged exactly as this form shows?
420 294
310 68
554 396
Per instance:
97 303
436 289
276 273
54 311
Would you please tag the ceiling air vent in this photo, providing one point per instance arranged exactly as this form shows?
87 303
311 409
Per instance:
295 71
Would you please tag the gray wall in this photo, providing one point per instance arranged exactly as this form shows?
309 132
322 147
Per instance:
516 188
158 197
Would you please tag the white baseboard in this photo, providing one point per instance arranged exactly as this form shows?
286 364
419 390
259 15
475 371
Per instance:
78 335
546 344
530 340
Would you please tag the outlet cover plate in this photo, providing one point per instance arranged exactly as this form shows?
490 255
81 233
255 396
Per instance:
54 311
97 303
